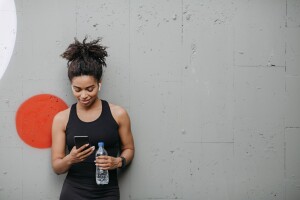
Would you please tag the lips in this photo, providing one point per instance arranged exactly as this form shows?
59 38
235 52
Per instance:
85 101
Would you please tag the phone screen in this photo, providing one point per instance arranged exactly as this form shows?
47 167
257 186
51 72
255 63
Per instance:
81 140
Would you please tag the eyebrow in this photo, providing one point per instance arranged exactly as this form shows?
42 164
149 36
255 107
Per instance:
84 88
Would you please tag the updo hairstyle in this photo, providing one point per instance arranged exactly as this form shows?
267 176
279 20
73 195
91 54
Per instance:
85 58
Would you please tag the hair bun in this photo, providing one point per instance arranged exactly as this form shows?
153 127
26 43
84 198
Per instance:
86 51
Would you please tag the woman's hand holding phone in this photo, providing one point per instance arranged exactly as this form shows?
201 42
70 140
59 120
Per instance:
79 155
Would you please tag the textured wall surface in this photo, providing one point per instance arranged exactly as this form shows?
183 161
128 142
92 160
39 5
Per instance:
212 88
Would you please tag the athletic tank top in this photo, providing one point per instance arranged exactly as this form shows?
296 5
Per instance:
104 129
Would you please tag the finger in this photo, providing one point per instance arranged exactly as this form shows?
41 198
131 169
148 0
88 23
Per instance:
81 150
104 162
87 152
83 147
103 157
104 166
100 161
74 148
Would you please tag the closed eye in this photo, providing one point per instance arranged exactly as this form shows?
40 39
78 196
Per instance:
90 89
76 89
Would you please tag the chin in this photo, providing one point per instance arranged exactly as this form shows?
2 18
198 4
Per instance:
87 104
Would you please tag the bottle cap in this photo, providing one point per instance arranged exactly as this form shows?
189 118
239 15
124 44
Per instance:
100 144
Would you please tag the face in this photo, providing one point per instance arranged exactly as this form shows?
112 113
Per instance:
85 89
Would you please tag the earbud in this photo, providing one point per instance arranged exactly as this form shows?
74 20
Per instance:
99 86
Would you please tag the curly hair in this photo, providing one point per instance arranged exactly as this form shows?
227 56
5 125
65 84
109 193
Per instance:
85 58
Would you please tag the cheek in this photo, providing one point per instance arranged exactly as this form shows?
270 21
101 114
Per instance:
94 93
76 94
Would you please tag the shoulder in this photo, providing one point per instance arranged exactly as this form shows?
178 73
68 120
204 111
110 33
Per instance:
117 110
119 113
62 117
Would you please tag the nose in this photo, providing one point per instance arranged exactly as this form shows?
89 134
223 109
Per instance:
83 94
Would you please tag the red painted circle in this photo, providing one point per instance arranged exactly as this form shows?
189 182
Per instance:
34 119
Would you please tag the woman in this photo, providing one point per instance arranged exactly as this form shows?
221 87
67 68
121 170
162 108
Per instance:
94 117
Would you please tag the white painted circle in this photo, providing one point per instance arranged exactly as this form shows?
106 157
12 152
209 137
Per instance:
8 27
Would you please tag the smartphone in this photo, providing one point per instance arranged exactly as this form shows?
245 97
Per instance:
81 140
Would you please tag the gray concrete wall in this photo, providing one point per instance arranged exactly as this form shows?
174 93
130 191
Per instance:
212 88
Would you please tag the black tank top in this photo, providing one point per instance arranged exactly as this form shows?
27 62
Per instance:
104 129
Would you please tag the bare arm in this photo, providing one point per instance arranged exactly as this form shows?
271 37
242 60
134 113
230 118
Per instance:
61 162
126 137
127 143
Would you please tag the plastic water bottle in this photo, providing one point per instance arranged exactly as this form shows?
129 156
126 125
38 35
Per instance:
102 176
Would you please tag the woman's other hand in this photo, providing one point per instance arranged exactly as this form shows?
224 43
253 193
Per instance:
108 162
